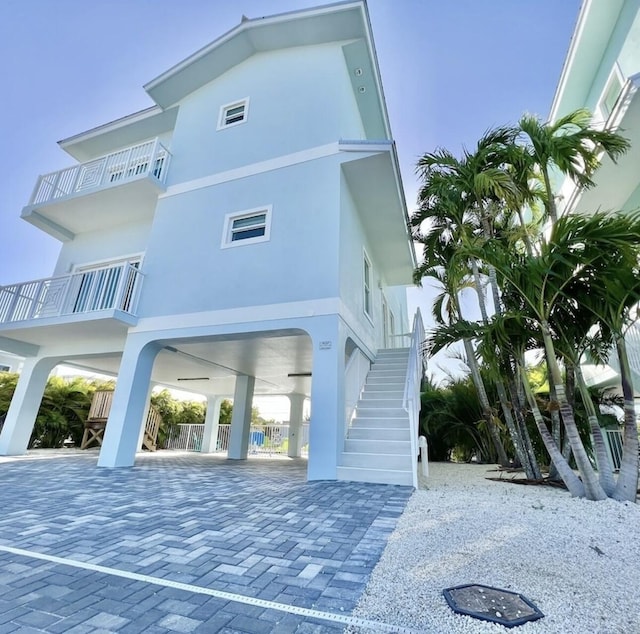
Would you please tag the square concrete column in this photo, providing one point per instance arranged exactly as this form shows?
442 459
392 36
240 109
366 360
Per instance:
327 401
24 407
241 418
296 405
129 406
211 424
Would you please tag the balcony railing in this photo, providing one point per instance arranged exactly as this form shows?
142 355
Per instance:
109 288
147 159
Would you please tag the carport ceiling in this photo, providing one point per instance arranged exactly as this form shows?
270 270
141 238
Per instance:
214 363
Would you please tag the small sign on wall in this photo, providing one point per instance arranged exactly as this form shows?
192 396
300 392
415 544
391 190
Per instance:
325 345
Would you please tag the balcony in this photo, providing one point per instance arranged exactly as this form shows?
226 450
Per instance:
95 294
118 188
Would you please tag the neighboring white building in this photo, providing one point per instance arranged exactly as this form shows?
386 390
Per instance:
245 235
602 73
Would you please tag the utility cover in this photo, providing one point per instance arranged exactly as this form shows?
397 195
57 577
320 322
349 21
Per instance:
491 604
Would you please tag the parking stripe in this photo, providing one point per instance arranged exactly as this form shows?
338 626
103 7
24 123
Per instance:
220 594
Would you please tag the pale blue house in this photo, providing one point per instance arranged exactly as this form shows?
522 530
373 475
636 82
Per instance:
245 235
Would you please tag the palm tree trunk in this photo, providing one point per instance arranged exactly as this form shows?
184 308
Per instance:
518 437
523 432
550 203
484 402
592 487
605 468
555 430
627 486
574 484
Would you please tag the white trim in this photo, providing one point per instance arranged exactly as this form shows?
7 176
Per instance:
84 266
251 170
246 314
367 287
227 233
228 106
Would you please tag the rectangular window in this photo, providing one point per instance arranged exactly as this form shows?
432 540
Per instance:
247 227
5 368
611 93
367 285
233 113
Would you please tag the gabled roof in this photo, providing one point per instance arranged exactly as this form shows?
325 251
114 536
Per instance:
346 22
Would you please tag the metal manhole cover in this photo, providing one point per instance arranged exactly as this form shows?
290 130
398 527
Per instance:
491 604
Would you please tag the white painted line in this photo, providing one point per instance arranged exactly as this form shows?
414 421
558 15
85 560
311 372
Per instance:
345 619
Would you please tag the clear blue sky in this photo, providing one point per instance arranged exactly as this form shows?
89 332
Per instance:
451 69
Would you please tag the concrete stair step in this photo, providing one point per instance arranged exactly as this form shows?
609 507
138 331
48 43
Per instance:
385 423
375 394
390 382
381 412
378 433
381 476
369 403
380 461
380 447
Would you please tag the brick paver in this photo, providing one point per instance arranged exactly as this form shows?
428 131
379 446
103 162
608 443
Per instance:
254 528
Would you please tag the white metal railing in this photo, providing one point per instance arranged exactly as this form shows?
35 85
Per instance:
112 287
355 376
146 159
411 400
264 439
614 444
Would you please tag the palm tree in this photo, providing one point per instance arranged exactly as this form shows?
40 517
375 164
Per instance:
459 197
570 145
587 253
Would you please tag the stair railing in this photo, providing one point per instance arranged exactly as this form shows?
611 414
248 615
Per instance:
355 376
411 400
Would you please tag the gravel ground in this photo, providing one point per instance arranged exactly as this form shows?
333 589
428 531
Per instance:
578 561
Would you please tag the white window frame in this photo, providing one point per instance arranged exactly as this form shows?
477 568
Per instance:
229 106
5 368
227 232
367 288
602 108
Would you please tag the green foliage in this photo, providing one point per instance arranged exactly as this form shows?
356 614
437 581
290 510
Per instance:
451 418
226 411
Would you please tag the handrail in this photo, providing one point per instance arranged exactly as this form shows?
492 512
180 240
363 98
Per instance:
114 287
355 376
411 399
145 159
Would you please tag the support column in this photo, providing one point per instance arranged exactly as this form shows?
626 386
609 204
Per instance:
241 418
327 400
129 404
24 407
296 404
211 420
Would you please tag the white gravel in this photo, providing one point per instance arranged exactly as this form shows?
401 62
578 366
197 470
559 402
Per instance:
578 561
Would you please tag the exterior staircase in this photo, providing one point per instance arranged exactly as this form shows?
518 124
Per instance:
378 444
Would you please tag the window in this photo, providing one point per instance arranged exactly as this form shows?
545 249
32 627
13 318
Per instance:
233 113
610 94
247 227
5 368
366 275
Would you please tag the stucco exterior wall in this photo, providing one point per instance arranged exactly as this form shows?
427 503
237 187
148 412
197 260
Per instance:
188 271
298 99
99 246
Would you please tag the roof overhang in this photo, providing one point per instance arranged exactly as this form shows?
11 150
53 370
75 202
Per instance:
374 181
595 24
346 22
129 130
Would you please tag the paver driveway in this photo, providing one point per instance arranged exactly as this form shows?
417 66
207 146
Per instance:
254 529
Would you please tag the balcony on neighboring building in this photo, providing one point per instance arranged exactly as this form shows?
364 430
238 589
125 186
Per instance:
111 190
77 301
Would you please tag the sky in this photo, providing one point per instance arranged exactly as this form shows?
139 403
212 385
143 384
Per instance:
451 69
